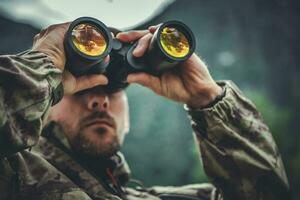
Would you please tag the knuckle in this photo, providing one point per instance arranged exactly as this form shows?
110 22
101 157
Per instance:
145 40
148 80
51 27
134 34
149 36
36 37
42 31
139 33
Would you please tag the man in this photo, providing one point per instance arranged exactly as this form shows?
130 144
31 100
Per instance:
78 156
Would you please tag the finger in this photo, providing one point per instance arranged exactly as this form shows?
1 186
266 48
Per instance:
107 58
36 37
146 80
43 31
55 26
142 45
131 35
89 81
152 29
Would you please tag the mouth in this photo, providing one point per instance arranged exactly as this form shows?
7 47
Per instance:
100 123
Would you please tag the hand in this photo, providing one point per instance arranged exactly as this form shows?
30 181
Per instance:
189 82
50 41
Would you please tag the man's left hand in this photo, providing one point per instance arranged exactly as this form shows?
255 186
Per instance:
189 82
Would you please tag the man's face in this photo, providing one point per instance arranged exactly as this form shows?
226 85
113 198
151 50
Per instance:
94 122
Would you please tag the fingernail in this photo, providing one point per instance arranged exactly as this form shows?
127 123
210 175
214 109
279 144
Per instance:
106 59
106 80
136 51
129 78
103 79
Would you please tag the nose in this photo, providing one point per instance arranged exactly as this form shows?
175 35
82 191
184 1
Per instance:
98 102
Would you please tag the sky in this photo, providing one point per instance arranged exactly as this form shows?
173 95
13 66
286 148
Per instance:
117 13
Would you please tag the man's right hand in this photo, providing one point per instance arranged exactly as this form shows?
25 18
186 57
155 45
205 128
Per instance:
51 42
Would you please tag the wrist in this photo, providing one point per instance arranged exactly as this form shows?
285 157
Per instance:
206 98
57 57
58 60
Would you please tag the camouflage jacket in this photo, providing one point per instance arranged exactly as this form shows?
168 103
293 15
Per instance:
238 152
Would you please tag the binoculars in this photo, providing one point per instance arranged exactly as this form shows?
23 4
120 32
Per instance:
88 41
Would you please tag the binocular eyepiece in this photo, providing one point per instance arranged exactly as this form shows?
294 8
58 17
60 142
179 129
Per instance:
88 41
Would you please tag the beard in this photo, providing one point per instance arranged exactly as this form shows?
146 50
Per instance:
95 141
84 145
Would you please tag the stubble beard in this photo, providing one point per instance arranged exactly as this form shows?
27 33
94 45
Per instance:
85 146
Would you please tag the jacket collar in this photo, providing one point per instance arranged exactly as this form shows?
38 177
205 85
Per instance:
117 164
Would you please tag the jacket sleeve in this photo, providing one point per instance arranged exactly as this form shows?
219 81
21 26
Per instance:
27 82
237 149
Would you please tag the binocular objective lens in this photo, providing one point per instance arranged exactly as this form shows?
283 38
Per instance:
89 40
174 42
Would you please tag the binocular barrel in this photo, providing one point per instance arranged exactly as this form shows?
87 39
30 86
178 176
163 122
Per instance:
88 42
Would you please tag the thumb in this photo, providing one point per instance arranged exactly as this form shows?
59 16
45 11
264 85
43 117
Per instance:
74 84
146 80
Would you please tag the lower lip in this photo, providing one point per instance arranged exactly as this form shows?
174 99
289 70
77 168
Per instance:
100 125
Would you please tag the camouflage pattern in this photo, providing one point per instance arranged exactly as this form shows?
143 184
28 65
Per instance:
238 152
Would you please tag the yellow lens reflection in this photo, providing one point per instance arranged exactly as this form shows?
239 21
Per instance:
174 42
89 40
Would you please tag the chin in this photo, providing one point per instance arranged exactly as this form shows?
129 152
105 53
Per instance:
98 142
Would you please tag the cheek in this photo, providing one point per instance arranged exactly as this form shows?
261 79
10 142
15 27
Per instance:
119 109
68 112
